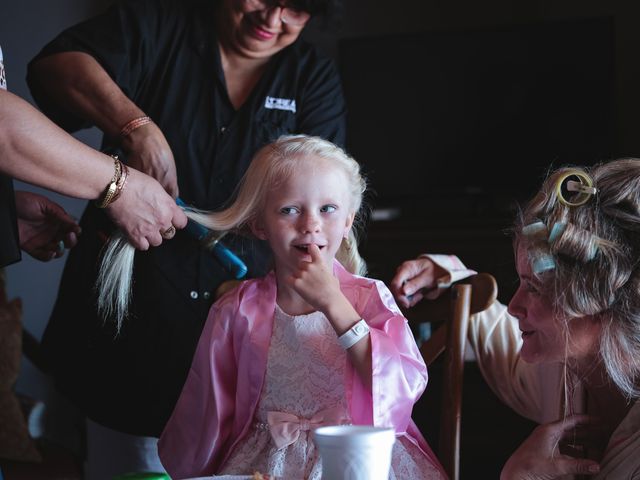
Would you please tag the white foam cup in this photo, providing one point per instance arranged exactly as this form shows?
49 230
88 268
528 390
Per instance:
355 452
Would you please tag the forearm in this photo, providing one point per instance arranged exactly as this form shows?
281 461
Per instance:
35 150
360 358
76 82
342 317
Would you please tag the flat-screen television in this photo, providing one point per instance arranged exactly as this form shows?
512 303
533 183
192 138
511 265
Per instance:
477 117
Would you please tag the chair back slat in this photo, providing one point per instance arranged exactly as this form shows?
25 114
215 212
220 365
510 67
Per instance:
450 315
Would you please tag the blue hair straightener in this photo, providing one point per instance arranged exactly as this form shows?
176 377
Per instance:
230 261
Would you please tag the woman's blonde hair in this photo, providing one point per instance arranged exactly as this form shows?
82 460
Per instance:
271 166
593 256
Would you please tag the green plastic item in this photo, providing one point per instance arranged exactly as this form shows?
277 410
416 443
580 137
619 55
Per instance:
142 476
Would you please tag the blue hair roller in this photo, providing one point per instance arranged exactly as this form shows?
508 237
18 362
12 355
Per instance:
557 230
543 263
230 261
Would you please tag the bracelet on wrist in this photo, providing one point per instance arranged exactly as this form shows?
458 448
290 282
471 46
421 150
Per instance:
113 190
122 181
352 336
133 124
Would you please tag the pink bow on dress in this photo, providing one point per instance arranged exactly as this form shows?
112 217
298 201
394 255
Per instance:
285 427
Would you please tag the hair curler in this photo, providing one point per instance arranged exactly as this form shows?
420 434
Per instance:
230 261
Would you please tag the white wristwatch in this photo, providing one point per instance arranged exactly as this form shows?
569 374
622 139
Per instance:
352 336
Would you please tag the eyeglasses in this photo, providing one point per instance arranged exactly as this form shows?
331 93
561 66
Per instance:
288 15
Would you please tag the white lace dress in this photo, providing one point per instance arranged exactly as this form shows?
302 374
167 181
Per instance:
305 376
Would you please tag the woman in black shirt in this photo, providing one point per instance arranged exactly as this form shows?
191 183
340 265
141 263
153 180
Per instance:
218 79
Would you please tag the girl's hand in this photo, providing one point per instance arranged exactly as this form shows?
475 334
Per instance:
149 152
315 283
539 458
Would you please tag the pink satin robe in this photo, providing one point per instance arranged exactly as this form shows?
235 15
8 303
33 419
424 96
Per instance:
219 398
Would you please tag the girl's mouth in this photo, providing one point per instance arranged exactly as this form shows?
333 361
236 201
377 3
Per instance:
305 247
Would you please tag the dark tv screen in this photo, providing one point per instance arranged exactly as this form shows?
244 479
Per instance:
478 113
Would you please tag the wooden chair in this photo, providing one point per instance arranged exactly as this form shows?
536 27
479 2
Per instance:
450 315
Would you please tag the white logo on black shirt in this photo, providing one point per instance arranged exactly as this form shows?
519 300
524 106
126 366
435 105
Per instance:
274 103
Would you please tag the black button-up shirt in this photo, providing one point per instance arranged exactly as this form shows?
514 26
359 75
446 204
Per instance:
164 55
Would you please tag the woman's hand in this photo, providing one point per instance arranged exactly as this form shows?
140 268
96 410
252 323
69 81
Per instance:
144 210
44 228
148 151
539 458
412 278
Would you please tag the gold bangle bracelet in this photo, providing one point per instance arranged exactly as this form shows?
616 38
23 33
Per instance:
122 181
111 190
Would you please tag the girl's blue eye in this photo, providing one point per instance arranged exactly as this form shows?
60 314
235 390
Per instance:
328 209
288 210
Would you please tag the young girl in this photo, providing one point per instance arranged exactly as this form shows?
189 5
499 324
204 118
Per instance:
310 344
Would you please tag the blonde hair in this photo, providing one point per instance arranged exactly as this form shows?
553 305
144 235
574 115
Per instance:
272 164
596 257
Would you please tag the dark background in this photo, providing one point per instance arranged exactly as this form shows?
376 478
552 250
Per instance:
457 110
478 115
502 98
